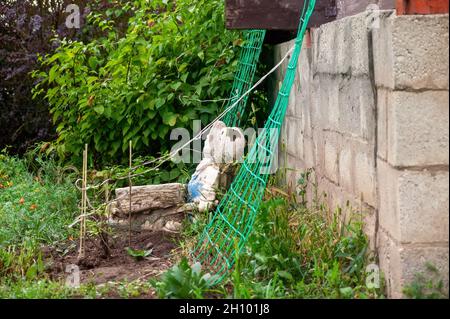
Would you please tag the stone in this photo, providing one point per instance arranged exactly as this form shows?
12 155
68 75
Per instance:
172 227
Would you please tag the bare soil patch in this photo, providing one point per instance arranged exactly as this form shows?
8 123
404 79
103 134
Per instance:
97 268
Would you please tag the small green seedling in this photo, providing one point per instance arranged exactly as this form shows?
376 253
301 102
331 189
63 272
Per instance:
138 254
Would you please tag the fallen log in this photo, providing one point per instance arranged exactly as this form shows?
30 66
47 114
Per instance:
146 199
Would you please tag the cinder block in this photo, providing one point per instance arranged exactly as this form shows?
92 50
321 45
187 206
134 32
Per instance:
331 161
370 227
294 136
423 206
390 264
418 128
387 180
308 148
305 110
365 178
415 261
292 104
303 80
293 166
411 52
413 205
382 122
341 47
314 109
350 106
358 46
332 90
357 107
322 119
401 264
346 169
326 111
319 141
324 48
367 104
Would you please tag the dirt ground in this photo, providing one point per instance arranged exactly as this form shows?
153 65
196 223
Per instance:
97 268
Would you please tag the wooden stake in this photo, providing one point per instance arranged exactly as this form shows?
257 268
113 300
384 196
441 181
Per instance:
83 204
131 187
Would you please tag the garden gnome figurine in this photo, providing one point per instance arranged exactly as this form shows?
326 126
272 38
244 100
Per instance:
223 145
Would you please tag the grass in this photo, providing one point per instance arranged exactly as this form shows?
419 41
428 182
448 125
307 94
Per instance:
34 207
42 288
296 250
300 252
37 203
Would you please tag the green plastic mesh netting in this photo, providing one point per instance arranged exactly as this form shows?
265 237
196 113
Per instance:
231 224
243 79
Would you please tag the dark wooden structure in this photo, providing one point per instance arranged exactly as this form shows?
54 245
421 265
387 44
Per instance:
283 15
275 14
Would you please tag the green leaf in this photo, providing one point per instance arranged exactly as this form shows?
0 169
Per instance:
159 102
182 67
285 275
92 62
176 85
170 118
138 254
52 74
346 292
184 77
100 109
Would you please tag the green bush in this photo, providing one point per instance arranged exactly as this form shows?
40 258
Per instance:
139 84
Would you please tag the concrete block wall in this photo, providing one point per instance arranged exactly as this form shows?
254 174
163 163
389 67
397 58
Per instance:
369 113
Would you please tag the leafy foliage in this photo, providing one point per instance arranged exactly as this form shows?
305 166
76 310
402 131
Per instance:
138 254
303 253
140 84
184 282
17 262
